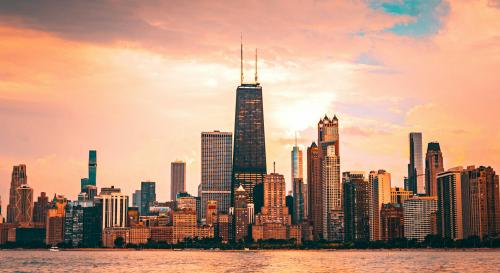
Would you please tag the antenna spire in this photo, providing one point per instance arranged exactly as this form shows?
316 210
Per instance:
295 138
256 75
274 166
241 58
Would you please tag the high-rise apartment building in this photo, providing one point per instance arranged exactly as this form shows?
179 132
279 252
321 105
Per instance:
314 191
416 176
480 202
380 188
433 166
356 206
216 168
148 196
417 213
24 205
332 192
240 214
449 214
298 201
40 209
177 178
19 178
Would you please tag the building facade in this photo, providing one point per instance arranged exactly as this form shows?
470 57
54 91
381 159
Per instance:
216 169
24 206
416 176
114 208
449 214
417 213
399 195
314 191
380 188
356 206
148 196
177 178
480 202
249 159
40 209
433 166
391 222
331 193
241 217
19 178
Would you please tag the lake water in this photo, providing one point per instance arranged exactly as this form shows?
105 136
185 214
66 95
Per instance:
192 261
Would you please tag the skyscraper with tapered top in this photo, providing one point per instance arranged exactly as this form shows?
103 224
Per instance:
249 154
314 190
433 166
18 178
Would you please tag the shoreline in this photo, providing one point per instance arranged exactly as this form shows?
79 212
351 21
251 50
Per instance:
266 250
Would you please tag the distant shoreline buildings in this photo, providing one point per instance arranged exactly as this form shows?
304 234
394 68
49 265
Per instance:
239 202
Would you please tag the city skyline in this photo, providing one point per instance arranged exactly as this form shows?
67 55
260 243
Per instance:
297 85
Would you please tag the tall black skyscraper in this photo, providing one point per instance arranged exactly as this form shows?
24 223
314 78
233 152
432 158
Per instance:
249 160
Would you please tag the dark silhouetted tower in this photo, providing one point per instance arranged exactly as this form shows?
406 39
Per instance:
433 166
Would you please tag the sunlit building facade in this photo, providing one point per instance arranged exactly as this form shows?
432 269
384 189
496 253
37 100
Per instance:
216 169
416 175
433 166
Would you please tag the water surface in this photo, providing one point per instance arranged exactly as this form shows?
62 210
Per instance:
193 261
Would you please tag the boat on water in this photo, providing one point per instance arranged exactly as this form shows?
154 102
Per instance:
246 249
54 248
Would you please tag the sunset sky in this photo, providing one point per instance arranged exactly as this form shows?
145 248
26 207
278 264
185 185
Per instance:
139 82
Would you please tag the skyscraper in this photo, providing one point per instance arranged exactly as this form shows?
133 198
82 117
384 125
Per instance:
315 197
216 168
274 209
380 188
24 205
449 214
298 200
241 219
40 209
18 178
356 211
177 178
417 213
480 202
136 199
433 166
331 189
92 167
249 158
331 192
148 196
416 175
296 160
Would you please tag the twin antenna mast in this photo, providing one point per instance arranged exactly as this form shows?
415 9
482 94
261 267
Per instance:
241 64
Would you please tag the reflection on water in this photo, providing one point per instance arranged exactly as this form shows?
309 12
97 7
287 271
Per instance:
251 261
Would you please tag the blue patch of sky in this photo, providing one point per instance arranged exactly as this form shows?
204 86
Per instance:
427 15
